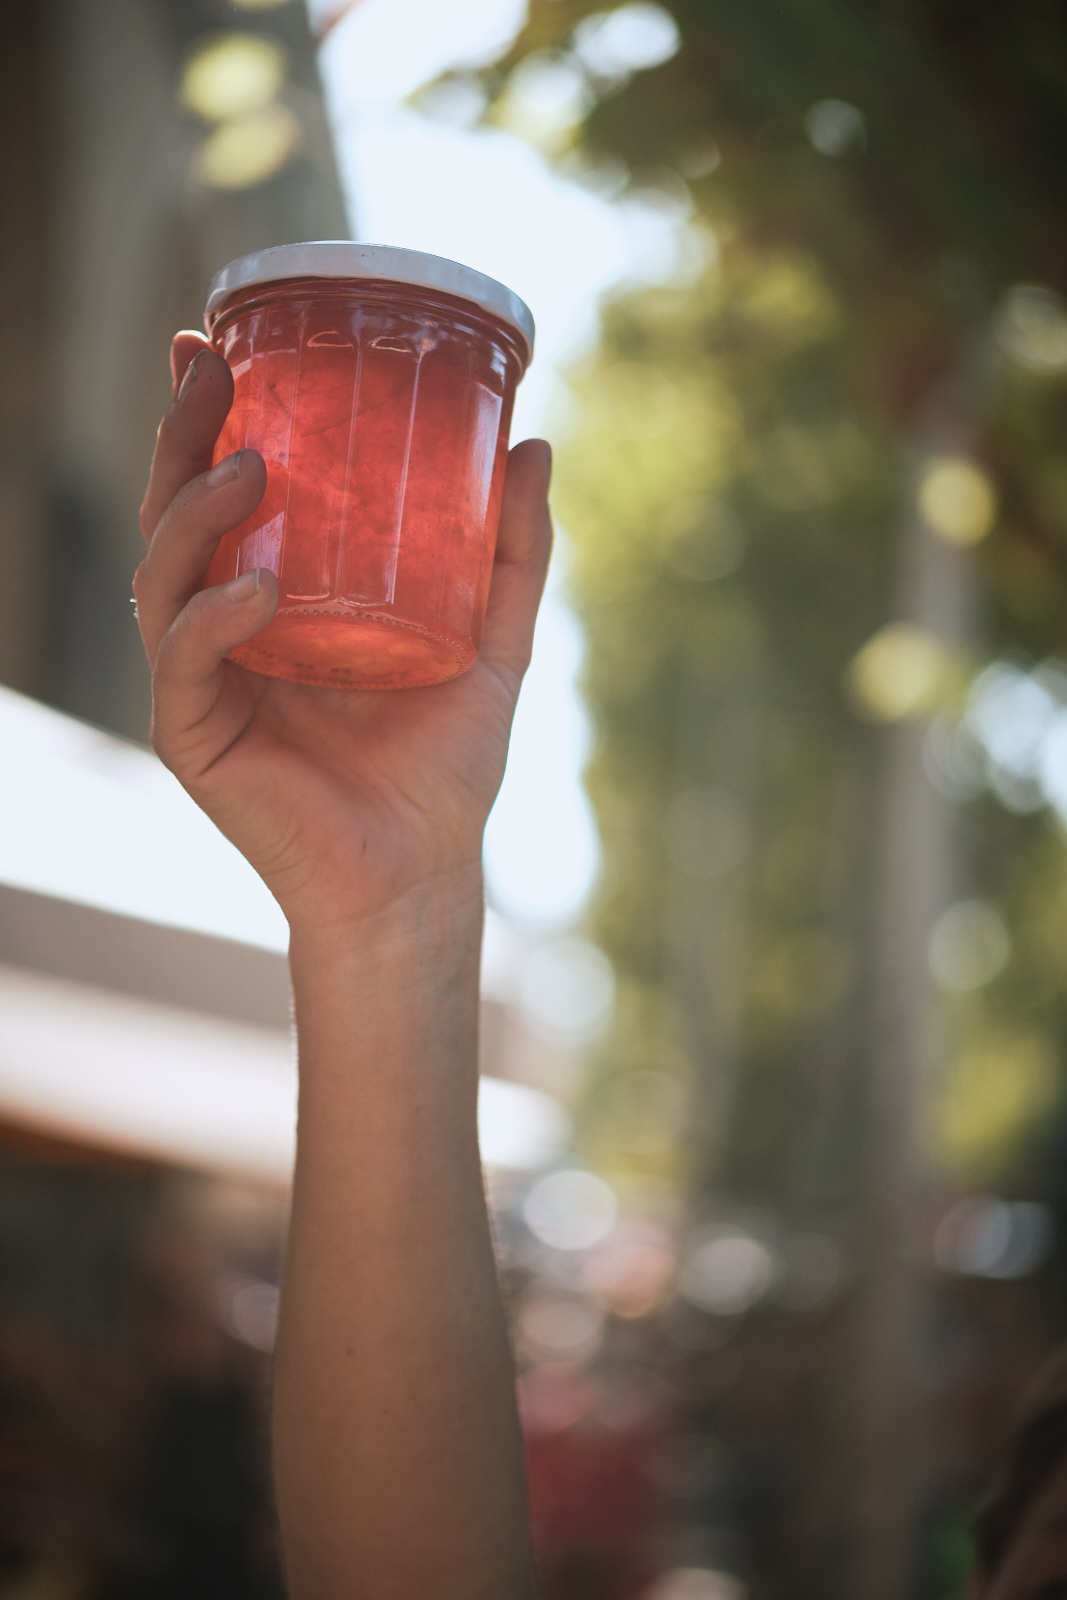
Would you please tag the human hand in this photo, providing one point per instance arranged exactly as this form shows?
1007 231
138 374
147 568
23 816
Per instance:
344 801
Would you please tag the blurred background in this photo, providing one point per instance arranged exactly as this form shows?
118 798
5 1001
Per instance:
774 1101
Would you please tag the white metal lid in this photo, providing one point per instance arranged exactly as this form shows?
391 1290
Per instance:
340 258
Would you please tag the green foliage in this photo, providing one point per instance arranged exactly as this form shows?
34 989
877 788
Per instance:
734 521
736 488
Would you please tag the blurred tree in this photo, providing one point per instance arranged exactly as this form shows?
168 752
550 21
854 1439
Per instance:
851 415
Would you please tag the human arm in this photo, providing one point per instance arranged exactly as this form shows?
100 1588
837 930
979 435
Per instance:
398 1464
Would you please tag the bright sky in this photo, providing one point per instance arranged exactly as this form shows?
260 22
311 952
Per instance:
489 199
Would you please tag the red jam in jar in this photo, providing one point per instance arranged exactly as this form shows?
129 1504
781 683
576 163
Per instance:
377 384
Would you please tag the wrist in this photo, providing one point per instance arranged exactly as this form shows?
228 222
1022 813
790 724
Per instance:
445 910
405 977
386 1009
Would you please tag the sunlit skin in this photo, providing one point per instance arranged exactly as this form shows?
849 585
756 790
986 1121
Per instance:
397 1450
1035 1564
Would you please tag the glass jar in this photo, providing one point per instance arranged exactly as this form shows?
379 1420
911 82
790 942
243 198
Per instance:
377 384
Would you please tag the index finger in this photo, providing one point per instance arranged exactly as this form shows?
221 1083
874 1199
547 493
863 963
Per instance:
190 426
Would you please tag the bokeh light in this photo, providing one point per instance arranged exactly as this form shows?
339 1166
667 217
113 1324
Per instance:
1031 328
697 1583
969 946
553 1397
232 76
953 759
555 1325
986 1237
546 97
632 1272
902 671
700 159
835 127
1011 712
246 150
612 44
727 1271
567 990
570 1210
1019 720
958 500
248 1309
519 1127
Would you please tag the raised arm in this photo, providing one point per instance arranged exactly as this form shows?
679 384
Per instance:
397 1450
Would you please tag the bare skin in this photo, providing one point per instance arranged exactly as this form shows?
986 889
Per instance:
397 1454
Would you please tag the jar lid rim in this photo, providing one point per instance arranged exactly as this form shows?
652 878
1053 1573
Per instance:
341 258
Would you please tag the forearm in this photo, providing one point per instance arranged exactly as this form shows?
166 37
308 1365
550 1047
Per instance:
398 1460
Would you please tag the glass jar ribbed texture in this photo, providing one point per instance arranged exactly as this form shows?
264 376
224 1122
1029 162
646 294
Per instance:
382 411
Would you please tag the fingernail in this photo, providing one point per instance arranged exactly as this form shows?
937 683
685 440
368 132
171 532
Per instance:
244 587
189 378
229 467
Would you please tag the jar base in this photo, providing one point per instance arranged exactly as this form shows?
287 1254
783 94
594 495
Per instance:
339 650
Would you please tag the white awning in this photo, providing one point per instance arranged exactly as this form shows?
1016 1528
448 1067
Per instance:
104 1068
144 993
